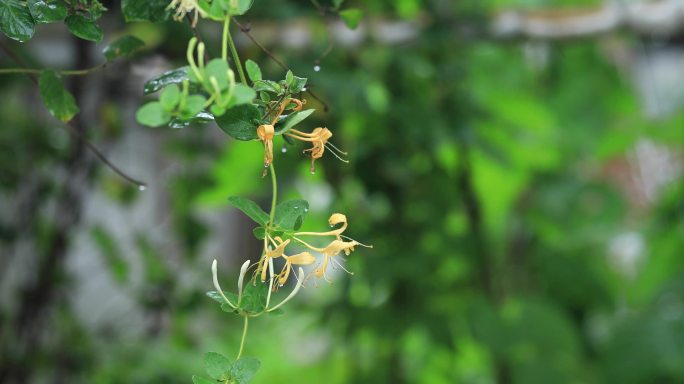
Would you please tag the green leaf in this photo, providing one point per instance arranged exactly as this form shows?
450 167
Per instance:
184 121
337 3
16 21
175 76
56 98
217 110
296 84
194 104
253 71
201 380
259 232
289 77
170 97
249 208
242 94
145 10
84 28
239 7
214 295
289 215
219 69
240 122
121 47
254 297
152 114
217 366
291 120
351 17
267 85
244 369
47 11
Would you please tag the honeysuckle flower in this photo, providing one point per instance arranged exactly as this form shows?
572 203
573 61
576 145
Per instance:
304 258
319 140
265 133
243 270
341 243
335 219
278 251
332 250
184 7
214 274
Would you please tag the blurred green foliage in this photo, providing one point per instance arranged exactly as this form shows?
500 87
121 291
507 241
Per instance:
481 177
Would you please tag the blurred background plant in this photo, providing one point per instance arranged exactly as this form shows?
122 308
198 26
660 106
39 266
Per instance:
516 164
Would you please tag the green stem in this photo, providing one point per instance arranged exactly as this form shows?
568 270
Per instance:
244 336
226 32
69 72
275 196
229 39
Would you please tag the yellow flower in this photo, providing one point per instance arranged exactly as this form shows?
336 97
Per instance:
304 258
332 250
265 133
278 251
341 243
319 140
184 7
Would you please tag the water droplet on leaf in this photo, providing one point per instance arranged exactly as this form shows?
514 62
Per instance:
317 68
284 150
142 188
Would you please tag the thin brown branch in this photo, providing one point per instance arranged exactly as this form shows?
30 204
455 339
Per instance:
91 147
246 30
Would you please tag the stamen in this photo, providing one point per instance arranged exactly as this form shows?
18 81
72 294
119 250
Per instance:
361 244
337 149
336 155
336 262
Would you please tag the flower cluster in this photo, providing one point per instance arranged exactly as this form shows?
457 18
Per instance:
319 137
274 247
184 7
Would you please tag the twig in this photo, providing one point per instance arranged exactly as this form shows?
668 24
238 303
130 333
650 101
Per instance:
310 92
246 31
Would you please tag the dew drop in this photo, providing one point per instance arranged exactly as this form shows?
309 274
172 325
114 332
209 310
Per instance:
284 150
317 68
306 209
142 188
304 89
